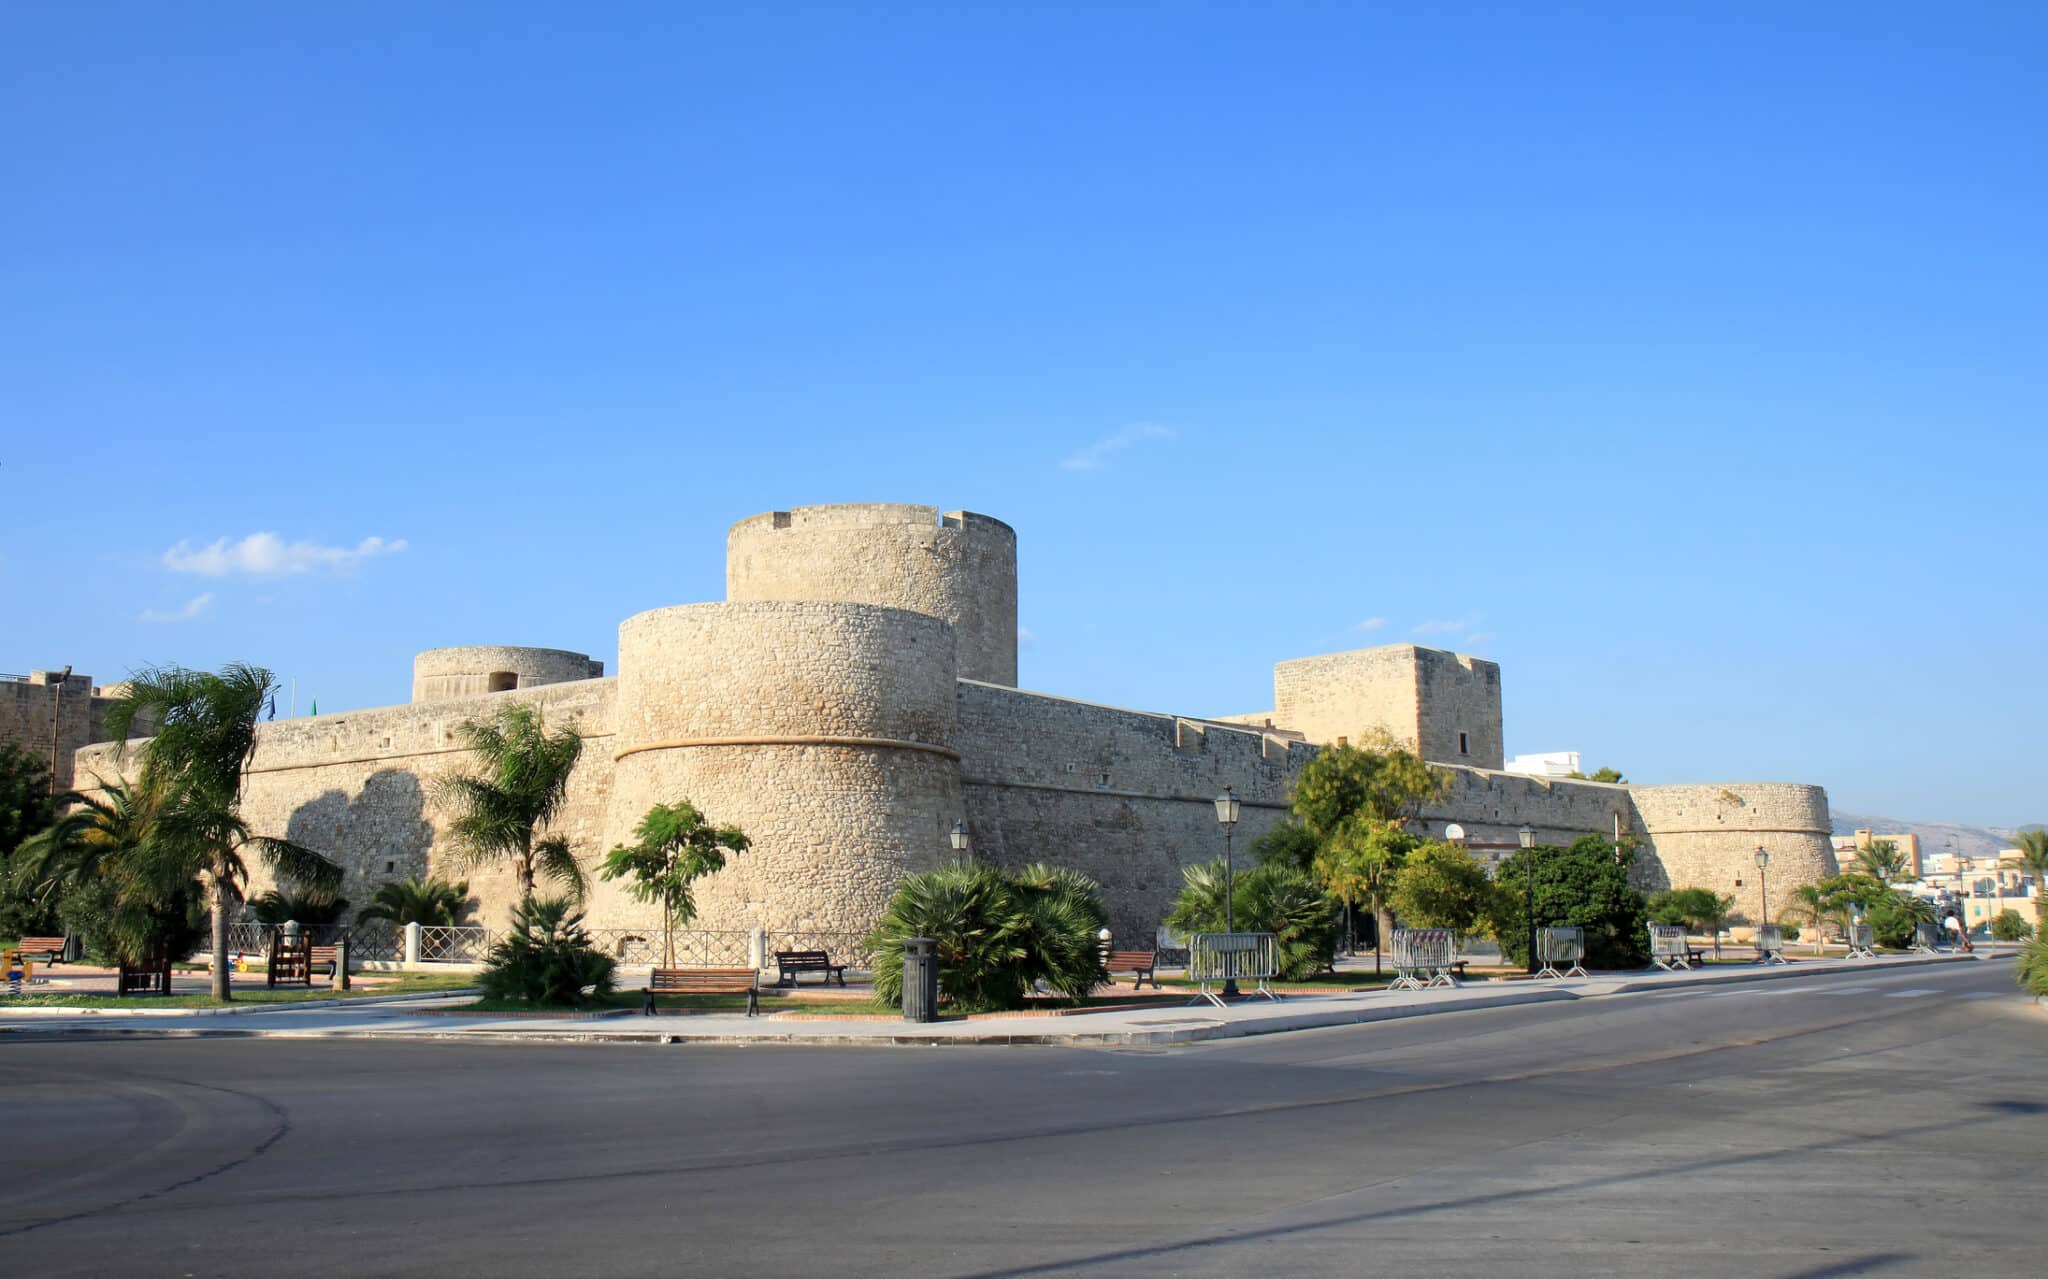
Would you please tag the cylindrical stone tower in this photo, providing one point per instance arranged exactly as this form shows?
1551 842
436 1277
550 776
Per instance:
440 674
824 730
960 567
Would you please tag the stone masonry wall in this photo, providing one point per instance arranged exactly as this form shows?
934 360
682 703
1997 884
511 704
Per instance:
29 709
959 567
1707 836
440 674
1460 715
1126 797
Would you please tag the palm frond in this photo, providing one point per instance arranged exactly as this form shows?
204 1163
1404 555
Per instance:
553 858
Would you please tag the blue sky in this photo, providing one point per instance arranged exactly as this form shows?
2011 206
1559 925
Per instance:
1688 362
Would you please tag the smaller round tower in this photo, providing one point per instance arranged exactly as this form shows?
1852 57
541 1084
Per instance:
441 674
958 567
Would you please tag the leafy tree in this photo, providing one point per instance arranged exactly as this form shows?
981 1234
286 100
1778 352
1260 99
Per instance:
523 783
1288 844
93 869
2032 969
198 760
2010 925
1696 909
1274 898
313 908
1599 775
1358 865
432 901
1442 885
678 846
1584 886
1382 785
998 934
2033 845
26 807
1882 861
547 959
1894 915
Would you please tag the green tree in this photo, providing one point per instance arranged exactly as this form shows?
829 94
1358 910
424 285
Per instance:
91 868
1288 844
520 788
26 808
1382 784
2033 847
998 934
1612 775
1894 915
1696 909
2010 925
315 908
198 760
1584 886
1274 898
1882 861
1442 885
678 846
432 901
1358 865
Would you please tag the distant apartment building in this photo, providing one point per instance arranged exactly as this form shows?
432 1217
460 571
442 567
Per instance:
1547 764
1847 846
1985 886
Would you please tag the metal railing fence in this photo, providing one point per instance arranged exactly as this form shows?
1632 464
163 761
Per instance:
1217 958
1669 948
1423 958
1862 942
458 944
1770 944
1565 946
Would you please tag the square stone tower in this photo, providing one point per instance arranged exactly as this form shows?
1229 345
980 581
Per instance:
1444 706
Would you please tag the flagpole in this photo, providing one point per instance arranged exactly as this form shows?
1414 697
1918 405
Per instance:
295 699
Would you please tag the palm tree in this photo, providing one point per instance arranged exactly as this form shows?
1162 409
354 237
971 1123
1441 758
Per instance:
313 908
1882 861
197 761
678 845
93 845
418 901
1357 864
2033 845
524 780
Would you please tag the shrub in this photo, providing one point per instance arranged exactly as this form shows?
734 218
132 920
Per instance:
547 960
430 901
2033 966
1442 886
997 934
314 908
1584 885
1790 932
1893 917
2010 925
1274 898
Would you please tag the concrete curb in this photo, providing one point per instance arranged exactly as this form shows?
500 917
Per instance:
363 1001
1781 972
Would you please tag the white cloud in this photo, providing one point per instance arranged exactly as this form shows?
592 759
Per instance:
192 608
1443 627
268 555
1098 455
1479 637
1026 637
1370 624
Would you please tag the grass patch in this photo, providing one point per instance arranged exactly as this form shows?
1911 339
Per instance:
631 999
404 984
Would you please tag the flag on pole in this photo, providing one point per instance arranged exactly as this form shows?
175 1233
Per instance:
316 706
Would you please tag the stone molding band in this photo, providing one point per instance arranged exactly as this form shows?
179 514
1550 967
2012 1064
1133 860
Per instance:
871 743
1106 793
1660 832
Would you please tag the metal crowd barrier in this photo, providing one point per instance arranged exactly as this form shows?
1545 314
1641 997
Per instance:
1669 949
1423 957
1565 946
1862 942
1925 938
1215 958
1770 944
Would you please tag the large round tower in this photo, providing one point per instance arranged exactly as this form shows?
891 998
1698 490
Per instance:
440 674
959 567
824 730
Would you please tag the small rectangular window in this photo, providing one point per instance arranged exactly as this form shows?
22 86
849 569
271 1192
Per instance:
1464 745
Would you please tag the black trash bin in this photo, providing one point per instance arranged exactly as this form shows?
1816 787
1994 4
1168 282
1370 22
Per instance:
920 980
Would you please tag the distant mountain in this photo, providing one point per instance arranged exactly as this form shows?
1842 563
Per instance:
1970 841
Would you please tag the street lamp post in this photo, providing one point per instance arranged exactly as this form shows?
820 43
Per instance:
963 843
1763 888
1227 807
1528 838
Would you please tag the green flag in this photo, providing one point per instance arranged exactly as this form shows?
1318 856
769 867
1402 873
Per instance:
316 706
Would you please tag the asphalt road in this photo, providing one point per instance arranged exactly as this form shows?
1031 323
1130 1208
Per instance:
1895 1124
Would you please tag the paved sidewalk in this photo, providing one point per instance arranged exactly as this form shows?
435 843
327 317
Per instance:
1168 1024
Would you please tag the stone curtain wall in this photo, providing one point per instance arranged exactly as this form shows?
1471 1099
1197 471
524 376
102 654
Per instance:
29 709
1459 694
959 567
1123 796
358 787
824 730
441 674
1421 697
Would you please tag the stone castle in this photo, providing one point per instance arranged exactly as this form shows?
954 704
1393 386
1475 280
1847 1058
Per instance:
853 698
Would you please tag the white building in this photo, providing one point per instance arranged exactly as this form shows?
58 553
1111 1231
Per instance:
1548 764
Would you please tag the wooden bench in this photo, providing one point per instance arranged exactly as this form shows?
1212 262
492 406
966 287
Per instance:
702 981
1144 963
788 963
323 957
43 950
